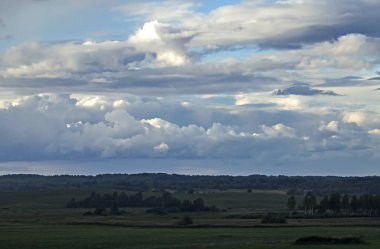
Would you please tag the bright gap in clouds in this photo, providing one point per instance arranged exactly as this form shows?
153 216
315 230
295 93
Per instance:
207 6
208 87
230 55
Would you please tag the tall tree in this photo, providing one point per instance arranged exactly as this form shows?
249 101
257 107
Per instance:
292 202
345 203
198 204
334 203
309 202
324 205
354 204
114 208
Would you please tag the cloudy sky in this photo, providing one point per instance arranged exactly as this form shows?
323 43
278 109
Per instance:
195 87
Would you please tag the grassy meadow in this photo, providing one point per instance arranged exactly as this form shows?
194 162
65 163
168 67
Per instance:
40 219
107 237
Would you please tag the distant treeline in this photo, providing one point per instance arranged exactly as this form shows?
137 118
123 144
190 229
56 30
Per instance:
336 204
116 200
149 181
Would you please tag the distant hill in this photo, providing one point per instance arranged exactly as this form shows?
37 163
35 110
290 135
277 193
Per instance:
161 181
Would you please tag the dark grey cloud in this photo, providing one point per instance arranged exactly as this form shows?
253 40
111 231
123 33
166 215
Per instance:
347 82
5 37
349 20
377 77
325 20
161 81
297 38
303 89
374 78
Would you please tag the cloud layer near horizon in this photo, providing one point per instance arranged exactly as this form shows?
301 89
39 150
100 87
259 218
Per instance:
50 127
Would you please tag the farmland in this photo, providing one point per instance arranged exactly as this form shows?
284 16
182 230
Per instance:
40 219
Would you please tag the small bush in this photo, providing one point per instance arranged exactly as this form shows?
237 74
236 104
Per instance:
100 211
173 210
185 220
243 216
273 218
158 211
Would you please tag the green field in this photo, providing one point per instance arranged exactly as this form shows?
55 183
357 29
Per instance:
105 237
235 200
39 219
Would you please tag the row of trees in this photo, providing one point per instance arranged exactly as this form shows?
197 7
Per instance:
116 200
337 204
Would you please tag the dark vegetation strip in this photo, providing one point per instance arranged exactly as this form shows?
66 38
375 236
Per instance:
159 181
163 204
175 225
316 240
335 205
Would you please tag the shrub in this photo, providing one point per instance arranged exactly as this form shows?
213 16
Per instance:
158 211
100 211
173 210
185 220
273 218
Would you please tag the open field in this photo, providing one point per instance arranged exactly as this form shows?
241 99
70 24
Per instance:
105 237
56 198
39 219
49 206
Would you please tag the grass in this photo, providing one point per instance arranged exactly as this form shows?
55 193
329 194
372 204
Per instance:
81 237
39 220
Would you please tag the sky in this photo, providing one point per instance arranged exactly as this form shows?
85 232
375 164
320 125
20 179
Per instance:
276 87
